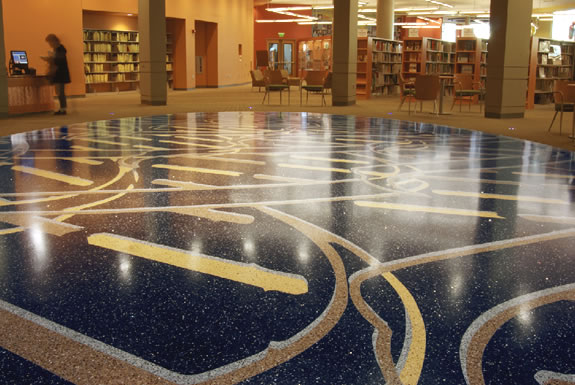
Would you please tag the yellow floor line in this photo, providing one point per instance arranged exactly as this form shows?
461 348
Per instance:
73 180
521 198
249 274
301 167
102 142
197 169
428 209
328 159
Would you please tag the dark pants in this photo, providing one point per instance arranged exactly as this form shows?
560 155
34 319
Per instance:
60 90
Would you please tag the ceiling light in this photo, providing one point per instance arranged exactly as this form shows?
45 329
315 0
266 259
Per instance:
421 26
428 19
415 9
439 3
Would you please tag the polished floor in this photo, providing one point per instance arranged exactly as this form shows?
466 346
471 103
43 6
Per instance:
284 248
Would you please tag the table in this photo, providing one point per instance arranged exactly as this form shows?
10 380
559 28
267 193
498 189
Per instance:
443 78
29 94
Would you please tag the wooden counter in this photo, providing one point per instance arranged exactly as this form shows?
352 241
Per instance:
29 94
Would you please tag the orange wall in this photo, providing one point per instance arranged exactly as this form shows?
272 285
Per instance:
26 24
235 26
105 20
263 31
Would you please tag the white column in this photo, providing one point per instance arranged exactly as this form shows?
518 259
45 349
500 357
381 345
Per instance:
3 71
152 27
385 19
508 58
344 52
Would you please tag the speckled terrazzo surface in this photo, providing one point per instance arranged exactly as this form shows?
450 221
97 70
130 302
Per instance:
284 248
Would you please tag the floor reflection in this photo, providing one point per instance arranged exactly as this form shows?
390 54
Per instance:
284 248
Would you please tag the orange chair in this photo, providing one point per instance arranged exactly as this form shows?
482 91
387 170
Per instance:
426 88
257 79
275 82
564 101
466 90
407 90
317 82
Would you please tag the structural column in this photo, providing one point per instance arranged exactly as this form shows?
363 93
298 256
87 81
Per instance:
3 73
385 19
508 60
152 27
344 52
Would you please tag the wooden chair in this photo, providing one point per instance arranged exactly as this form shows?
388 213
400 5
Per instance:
257 79
407 90
275 82
315 82
466 90
426 88
564 101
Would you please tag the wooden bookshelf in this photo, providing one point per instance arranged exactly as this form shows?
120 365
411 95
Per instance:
546 66
471 58
314 54
112 60
385 58
423 55
378 62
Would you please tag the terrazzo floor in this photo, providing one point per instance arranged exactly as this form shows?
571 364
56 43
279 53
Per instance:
284 248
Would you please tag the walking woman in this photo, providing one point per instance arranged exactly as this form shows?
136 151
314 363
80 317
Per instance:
59 73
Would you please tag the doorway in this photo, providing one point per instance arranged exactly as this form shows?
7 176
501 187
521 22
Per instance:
206 54
281 55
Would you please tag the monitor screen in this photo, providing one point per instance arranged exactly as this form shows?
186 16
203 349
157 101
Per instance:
19 57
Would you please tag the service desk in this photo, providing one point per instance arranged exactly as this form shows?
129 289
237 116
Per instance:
29 94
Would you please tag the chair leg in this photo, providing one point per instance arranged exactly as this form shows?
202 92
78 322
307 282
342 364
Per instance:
561 120
409 107
552 121
401 103
264 99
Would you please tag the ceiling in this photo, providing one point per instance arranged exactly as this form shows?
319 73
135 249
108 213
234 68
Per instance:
469 5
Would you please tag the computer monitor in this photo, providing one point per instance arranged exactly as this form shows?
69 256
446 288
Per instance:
19 57
18 62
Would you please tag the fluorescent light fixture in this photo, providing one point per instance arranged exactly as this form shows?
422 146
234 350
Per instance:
428 19
313 22
284 9
278 21
421 26
439 3
545 19
567 12
409 23
415 9
367 10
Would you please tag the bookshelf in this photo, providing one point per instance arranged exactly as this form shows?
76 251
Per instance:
378 62
549 60
170 59
112 60
314 54
423 55
471 58
385 56
362 89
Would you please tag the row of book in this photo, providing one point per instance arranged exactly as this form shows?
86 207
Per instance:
387 68
383 57
108 78
111 36
379 80
380 45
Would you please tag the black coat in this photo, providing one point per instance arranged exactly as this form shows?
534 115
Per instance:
59 72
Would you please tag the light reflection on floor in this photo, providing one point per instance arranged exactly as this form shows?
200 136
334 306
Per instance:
284 248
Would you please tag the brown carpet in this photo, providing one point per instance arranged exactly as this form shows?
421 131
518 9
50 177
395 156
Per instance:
243 98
